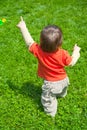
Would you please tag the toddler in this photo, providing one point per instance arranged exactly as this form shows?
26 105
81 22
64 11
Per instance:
51 62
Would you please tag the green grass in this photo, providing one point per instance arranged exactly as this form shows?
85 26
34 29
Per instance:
20 88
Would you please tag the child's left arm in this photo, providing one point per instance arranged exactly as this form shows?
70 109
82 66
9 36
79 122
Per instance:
75 55
26 35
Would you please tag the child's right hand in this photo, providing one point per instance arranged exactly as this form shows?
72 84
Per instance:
21 24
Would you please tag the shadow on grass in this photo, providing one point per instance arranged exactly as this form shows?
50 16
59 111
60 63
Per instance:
28 90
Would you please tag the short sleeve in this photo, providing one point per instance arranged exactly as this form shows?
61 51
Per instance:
34 49
66 58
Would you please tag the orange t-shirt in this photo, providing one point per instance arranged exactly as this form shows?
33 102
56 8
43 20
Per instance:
51 65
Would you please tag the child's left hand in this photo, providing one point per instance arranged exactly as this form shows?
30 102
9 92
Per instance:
21 24
77 48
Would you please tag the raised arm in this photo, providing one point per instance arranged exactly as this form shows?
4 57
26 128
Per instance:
26 35
75 55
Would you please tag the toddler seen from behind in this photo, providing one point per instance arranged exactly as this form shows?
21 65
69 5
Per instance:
52 59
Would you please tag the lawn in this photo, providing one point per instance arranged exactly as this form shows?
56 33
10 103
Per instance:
20 88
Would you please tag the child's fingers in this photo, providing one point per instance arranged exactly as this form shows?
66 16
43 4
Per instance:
77 47
75 44
21 18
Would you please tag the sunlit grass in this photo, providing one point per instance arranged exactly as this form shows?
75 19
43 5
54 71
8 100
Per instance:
20 88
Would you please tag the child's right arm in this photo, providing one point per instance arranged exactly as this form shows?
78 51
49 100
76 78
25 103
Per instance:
26 35
75 55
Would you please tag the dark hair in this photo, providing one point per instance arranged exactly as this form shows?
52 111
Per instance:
50 38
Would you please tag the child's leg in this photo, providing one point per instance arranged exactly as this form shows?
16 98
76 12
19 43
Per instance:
60 87
49 92
48 100
63 93
65 84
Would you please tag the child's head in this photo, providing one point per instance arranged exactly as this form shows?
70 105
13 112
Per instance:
51 38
